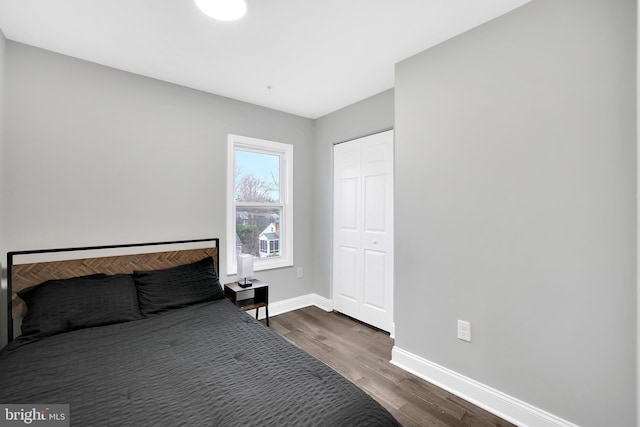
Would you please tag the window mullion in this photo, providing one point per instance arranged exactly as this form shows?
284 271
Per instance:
258 205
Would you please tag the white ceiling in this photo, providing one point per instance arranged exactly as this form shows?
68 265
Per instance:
316 55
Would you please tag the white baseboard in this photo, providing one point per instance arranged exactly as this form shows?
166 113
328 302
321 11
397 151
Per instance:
503 405
284 306
321 302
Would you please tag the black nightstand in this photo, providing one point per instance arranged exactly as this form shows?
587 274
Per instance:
233 291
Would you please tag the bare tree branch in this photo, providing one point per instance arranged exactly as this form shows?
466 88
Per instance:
252 189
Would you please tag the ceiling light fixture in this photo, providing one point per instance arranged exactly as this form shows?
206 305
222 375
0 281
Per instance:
223 10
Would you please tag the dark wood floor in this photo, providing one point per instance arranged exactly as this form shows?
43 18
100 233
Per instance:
361 354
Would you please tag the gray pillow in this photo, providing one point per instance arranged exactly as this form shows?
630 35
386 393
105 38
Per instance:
57 306
176 287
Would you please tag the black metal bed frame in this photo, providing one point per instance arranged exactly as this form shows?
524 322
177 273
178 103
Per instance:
12 254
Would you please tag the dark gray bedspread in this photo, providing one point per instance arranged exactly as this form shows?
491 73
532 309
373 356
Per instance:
205 365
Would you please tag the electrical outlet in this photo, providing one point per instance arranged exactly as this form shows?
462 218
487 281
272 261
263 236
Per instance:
299 273
464 330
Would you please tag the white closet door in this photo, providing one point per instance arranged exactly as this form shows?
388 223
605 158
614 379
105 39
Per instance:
363 229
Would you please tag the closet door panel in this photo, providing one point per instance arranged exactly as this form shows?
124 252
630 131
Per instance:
363 229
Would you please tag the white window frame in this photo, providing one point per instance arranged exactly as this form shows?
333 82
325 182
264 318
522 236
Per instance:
285 152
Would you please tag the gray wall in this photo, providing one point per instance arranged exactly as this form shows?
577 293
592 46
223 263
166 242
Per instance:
368 116
515 206
3 323
100 156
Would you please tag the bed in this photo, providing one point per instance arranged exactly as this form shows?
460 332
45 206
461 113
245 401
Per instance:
146 337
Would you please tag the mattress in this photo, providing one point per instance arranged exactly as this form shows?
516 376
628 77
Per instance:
208 364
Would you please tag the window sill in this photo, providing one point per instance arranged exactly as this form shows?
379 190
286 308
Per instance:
262 265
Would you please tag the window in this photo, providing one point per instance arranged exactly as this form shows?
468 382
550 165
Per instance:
259 201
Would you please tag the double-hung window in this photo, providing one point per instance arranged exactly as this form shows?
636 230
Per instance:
259 202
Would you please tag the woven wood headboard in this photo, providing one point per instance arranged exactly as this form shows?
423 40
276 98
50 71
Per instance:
22 276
